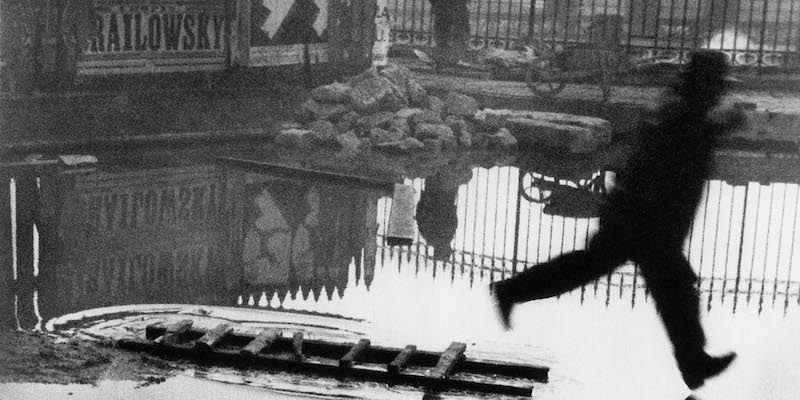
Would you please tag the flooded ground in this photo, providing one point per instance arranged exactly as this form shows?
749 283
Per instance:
210 234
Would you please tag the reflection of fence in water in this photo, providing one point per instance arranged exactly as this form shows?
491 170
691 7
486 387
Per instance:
752 32
742 243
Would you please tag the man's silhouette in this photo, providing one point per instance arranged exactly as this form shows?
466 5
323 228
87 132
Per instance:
647 217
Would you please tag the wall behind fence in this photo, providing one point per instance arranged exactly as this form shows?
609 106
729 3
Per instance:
752 32
45 44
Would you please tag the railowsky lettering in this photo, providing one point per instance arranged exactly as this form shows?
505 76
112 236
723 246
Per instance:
146 30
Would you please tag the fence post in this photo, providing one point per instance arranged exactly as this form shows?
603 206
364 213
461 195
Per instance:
26 204
240 34
7 315
351 30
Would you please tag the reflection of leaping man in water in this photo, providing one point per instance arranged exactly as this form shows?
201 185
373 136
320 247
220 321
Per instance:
647 217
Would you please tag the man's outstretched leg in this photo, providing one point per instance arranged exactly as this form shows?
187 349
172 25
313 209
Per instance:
671 281
559 275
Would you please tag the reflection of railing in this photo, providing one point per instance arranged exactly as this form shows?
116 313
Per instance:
751 32
742 243
22 214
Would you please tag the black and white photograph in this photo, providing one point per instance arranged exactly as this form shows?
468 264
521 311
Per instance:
400 199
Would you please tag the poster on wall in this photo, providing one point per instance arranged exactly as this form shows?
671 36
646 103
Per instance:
143 36
280 31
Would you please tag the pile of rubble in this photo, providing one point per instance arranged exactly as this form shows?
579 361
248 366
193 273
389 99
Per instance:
388 111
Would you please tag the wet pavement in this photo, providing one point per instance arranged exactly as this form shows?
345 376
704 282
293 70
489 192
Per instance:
193 231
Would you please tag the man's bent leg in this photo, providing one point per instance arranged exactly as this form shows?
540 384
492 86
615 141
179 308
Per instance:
559 275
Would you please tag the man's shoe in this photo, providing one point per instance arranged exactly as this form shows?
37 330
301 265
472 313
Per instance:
696 373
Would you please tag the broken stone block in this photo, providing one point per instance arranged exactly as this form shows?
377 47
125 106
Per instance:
393 102
425 117
490 122
503 140
334 93
574 139
417 96
400 125
458 125
405 145
432 145
397 74
465 141
375 120
435 104
480 140
378 136
322 131
449 143
369 94
573 133
432 131
348 142
312 110
407 112
346 121
460 104
294 138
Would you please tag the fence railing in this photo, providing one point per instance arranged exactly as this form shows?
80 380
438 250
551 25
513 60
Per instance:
759 33
743 243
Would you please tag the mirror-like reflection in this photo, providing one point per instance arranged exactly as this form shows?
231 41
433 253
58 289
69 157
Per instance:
219 235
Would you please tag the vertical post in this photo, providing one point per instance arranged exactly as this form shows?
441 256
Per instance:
240 38
7 317
26 204
53 190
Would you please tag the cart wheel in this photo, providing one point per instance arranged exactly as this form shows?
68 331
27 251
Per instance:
543 84
532 192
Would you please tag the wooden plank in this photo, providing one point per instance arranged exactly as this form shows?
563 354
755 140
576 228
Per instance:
399 363
232 358
384 355
401 217
448 360
299 172
213 337
297 346
264 340
174 332
355 352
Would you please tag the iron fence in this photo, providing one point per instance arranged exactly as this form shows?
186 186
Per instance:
743 243
755 33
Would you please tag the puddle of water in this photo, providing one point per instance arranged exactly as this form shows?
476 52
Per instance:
204 234
176 388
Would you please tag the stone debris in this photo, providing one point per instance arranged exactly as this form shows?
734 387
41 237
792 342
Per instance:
322 131
460 104
389 111
349 143
406 145
297 138
379 136
566 132
503 140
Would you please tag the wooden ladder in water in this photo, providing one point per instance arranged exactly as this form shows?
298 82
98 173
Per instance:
275 349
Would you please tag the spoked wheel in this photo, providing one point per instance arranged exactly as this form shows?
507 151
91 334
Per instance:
544 84
538 190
